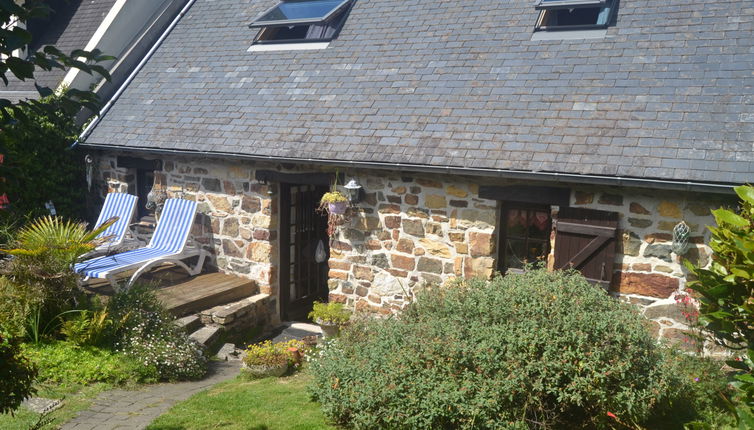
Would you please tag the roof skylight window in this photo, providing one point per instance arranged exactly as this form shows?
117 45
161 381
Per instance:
574 14
301 21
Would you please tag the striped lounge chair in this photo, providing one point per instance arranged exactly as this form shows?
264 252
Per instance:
122 206
168 245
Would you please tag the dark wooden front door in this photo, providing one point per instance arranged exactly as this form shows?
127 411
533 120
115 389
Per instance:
302 278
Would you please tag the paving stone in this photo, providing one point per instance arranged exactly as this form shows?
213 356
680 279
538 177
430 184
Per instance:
206 335
41 405
189 324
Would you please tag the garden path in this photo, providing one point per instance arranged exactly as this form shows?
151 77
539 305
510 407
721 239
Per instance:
136 409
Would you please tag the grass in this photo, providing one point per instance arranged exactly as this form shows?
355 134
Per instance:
75 375
75 398
264 404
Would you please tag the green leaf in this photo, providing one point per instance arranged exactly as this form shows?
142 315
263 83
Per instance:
736 364
745 192
743 272
43 91
22 69
15 39
724 216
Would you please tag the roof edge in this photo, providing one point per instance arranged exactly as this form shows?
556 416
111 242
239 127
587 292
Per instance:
573 178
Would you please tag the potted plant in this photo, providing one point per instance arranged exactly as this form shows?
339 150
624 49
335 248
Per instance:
334 202
266 359
329 316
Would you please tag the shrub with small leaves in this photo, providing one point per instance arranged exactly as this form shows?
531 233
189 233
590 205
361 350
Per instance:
540 350
267 354
332 313
17 375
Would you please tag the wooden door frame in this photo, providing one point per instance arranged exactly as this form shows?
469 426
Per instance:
284 240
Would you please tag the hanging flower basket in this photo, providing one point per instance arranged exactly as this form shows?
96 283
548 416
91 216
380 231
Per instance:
337 208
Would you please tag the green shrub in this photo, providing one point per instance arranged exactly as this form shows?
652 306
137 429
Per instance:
267 354
39 166
144 330
17 374
68 364
17 306
88 328
697 389
333 313
537 350
726 295
38 277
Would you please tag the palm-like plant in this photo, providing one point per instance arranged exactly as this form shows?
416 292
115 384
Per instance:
40 275
54 244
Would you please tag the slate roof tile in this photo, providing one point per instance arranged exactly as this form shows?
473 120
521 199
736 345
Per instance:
666 94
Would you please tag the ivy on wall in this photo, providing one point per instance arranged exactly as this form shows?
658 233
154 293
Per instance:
38 165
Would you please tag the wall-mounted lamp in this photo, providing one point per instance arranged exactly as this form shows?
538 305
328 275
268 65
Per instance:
354 191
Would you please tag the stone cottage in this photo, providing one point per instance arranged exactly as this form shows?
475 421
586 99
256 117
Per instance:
486 135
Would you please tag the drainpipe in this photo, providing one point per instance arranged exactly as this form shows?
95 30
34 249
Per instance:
88 130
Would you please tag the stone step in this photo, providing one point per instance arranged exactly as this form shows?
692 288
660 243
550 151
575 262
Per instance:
227 314
189 324
205 291
208 336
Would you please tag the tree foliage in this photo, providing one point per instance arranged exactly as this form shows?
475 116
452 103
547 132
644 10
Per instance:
16 375
14 37
726 292
38 166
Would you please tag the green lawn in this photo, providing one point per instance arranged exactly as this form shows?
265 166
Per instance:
265 404
75 399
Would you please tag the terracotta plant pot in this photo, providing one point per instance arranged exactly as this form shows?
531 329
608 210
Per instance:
258 371
337 208
296 354
329 330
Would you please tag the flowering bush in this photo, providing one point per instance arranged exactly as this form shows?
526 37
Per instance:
267 354
537 350
169 357
145 332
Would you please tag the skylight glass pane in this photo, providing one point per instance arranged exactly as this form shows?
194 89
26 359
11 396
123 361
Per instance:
299 12
559 4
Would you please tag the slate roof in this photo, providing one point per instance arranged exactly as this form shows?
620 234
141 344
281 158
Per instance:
70 27
667 94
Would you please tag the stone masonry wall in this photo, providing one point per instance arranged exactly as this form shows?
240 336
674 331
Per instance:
409 232
647 272
236 219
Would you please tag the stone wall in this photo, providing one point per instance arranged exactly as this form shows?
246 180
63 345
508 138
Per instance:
415 230
236 218
647 272
407 233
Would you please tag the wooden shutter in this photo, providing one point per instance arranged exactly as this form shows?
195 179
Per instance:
586 240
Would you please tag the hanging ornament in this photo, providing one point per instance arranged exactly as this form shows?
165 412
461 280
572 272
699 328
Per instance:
680 238
89 171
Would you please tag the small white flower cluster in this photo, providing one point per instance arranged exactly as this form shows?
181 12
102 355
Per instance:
167 351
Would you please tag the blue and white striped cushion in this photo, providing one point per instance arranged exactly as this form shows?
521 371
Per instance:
121 205
169 238
97 267
174 225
